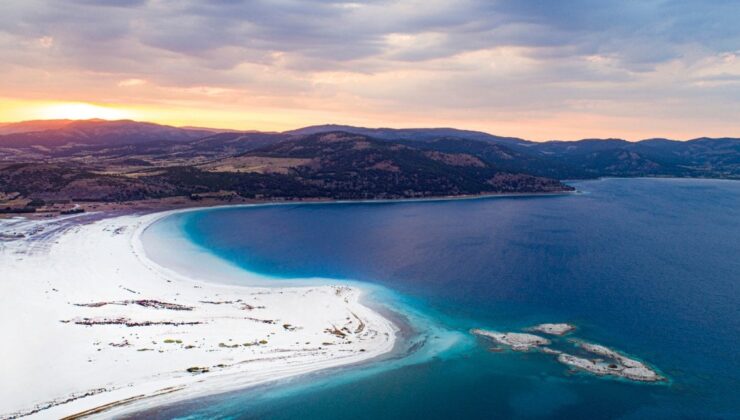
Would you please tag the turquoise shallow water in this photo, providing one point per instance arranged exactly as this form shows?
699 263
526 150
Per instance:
647 266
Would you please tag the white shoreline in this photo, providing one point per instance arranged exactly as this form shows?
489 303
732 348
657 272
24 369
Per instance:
43 276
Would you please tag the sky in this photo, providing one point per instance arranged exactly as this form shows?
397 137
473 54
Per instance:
537 69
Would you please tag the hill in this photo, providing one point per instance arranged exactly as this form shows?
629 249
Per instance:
358 166
35 125
91 132
709 158
332 165
588 158
414 134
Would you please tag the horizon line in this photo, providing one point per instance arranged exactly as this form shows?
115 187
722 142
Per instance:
240 130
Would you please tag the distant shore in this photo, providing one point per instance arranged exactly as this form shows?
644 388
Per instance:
133 334
185 203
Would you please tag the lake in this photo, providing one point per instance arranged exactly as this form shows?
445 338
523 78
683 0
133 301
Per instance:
650 267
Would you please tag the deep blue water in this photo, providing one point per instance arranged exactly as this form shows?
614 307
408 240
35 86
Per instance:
647 266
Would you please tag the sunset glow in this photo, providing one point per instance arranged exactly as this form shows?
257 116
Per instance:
80 111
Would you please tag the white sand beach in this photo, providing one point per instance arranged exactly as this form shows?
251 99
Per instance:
91 325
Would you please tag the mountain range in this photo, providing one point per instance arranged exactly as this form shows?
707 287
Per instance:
127 160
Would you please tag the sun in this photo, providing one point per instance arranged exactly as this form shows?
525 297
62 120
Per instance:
80 111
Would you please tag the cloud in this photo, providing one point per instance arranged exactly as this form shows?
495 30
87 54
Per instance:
131 82
46 41
327 33
499 57
111 3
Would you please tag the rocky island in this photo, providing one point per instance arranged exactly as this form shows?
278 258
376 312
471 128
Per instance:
615 363
517 341
607 362
553 329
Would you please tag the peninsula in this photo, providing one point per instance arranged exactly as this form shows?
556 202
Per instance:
117 332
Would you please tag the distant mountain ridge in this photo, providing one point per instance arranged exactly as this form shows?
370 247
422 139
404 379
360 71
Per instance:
80 131
125 160
34 125
588 158
420 134
101 132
